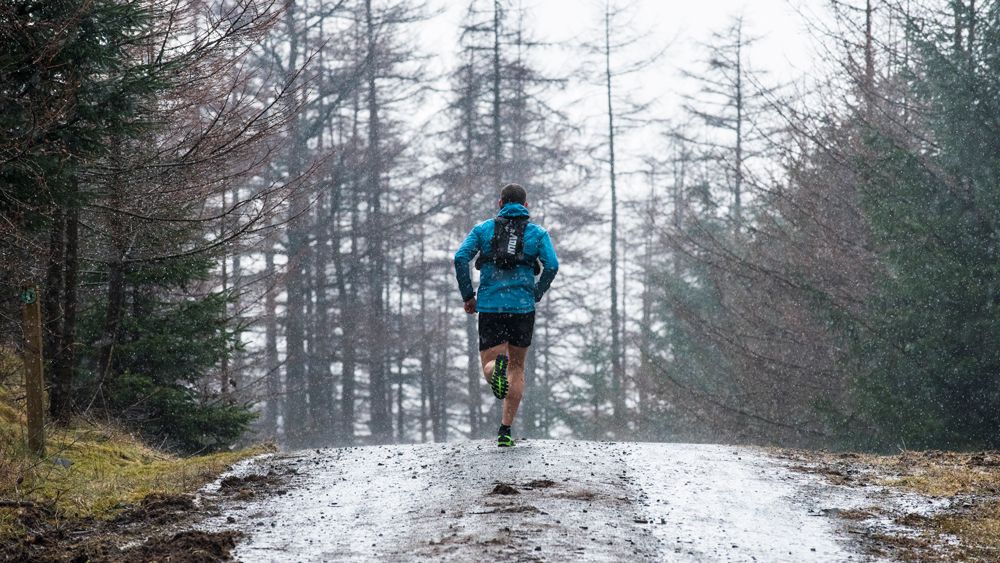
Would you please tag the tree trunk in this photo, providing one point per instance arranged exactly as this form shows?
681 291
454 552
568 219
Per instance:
295 354
645 331
617 375
308 330
400 354
972 31
236 371
296 415
272 408
347 279
54 281
320 376
112 321
472 373
426 381
957 9
440 406
738 186
224 367
869 79
379 423
678 197
61 398
497 145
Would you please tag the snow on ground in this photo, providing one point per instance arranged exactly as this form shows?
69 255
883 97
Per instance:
574 501
719 503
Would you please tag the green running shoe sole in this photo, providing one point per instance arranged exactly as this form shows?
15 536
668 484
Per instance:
498 381
505 442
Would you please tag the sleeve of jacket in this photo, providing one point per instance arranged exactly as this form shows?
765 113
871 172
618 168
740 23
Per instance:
466 252
550 265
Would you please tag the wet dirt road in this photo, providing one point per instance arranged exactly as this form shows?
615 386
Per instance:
541 501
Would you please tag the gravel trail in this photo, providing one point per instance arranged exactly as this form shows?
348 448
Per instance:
541 501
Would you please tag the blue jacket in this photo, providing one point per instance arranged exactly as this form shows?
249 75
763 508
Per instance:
506 291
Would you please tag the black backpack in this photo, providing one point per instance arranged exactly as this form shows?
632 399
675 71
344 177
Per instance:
508 245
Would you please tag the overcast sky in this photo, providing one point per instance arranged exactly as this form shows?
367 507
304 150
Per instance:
681 27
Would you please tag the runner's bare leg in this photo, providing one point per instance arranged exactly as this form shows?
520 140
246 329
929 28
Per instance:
515 378
488 356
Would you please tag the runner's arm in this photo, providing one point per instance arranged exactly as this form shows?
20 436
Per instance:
465 254
550 265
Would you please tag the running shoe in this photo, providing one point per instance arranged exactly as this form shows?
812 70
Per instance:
498 381
503 438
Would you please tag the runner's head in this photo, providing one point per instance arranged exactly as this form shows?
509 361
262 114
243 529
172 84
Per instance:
513 193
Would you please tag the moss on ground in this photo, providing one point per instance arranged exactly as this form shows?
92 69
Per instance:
90 470
110 469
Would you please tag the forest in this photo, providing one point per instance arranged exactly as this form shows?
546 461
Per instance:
241 217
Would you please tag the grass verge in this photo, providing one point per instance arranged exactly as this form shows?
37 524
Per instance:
90 472
967 529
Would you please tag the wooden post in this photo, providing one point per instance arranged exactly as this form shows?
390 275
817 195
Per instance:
31 315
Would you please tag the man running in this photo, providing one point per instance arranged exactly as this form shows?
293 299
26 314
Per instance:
510 250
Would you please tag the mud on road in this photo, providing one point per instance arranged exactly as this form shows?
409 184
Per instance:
158 528
541 501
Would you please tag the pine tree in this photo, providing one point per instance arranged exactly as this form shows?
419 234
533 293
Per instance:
65 97
130 99
928 362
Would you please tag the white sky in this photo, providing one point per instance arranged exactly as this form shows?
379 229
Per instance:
784 50
682 26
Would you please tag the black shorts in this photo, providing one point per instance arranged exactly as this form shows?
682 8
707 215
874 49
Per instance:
510 328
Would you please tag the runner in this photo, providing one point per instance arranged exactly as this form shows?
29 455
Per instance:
512 252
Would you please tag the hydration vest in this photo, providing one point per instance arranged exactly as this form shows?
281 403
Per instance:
508 246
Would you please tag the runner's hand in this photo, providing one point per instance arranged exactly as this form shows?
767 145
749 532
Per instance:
470 306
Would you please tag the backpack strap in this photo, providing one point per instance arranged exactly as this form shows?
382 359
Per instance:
503 228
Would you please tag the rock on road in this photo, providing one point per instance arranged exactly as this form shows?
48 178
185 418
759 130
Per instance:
564 501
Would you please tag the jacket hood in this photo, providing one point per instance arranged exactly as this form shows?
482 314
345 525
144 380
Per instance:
514 210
